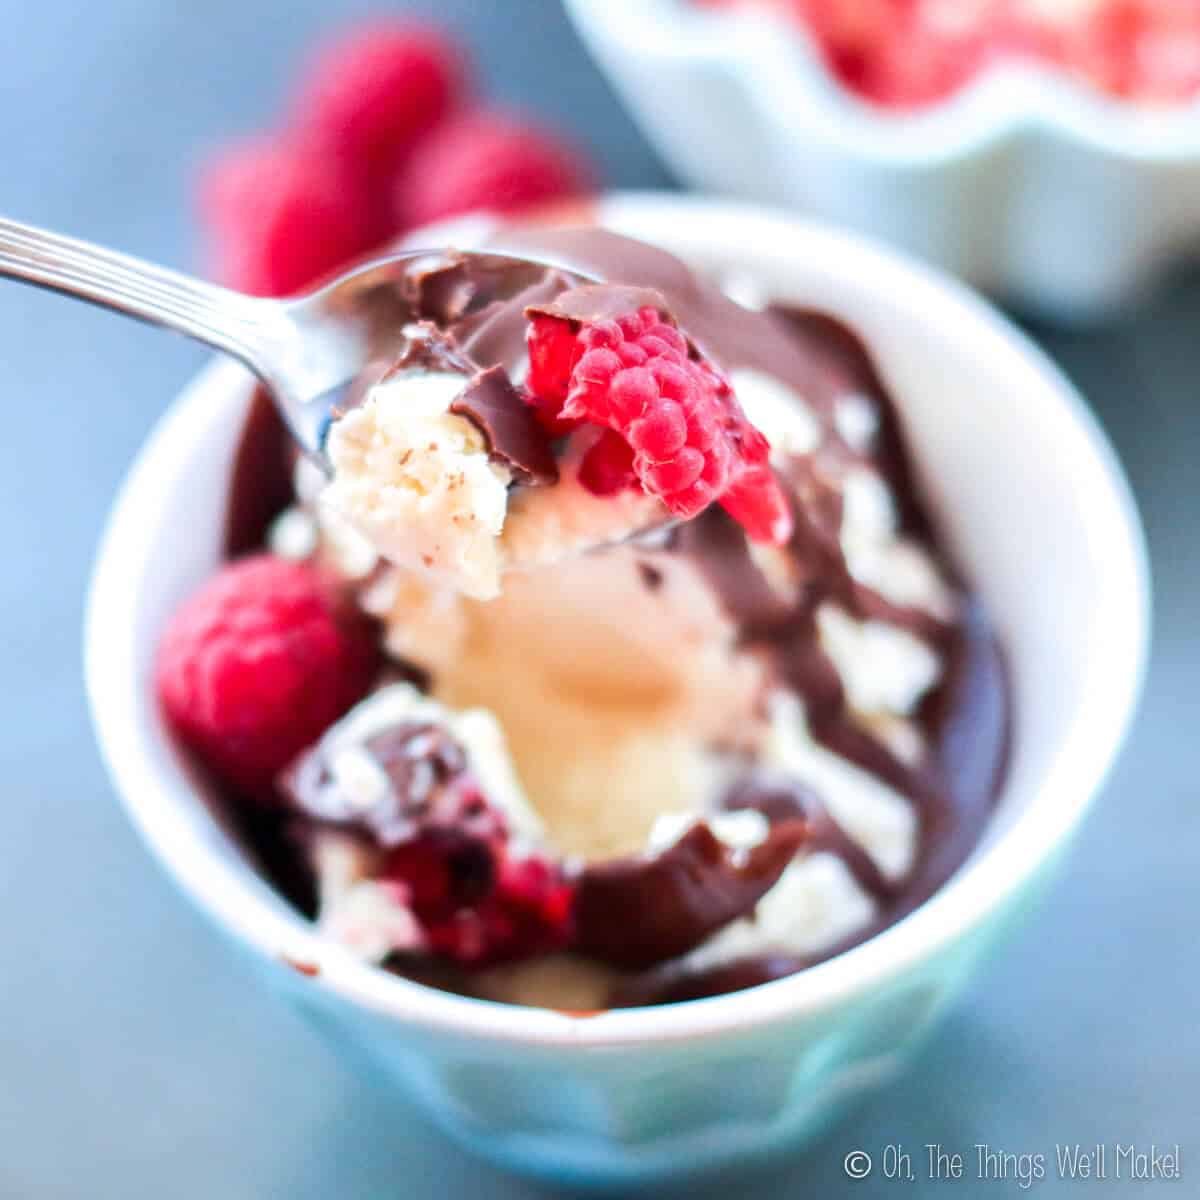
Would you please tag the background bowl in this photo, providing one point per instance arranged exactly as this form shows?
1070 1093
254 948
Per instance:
1022 481
1023 183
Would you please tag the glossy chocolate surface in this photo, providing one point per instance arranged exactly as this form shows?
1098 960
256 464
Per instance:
477 320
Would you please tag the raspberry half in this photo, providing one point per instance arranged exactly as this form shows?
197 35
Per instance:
673 424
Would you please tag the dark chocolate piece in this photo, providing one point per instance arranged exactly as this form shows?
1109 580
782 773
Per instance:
429 788
639 911
427 347
514 438
488 400
600 302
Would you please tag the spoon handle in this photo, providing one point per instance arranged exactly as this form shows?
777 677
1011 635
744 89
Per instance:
223 319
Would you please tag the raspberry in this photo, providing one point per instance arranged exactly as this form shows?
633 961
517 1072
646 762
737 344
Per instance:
607 468
672 423
478 906
373 93
907 53
552 358
1144 49
281 216
443 870
485 160
256 665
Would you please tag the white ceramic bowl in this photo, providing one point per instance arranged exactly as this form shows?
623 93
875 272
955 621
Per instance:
1024 183
1032 498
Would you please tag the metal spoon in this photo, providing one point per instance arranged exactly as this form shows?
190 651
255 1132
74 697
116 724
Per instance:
310 351
307 350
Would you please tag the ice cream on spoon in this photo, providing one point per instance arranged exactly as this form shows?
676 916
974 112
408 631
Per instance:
385 376
529 413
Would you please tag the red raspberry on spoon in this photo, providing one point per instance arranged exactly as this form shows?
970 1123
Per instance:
673 424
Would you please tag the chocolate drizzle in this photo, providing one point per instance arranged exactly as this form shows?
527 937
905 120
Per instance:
589 303
638 911
491 403
635 912
428 789
781 798
261 479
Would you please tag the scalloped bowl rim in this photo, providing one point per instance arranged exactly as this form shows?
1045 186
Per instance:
778 60
146 780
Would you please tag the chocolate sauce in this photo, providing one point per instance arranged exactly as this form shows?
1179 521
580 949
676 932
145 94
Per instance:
260 485
428 789
968 727
637 911
781 798
512 433
642 910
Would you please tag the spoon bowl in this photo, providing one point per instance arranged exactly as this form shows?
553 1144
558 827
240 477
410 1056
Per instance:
309 351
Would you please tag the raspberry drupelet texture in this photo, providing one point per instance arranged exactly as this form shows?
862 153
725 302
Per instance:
257 665
476 903
672 423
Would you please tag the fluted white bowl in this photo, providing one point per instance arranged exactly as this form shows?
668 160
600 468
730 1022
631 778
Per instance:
1024 183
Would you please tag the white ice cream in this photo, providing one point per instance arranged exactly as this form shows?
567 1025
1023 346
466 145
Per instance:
883 669
881 820
418 482
779 413
879 557
611 692
414 484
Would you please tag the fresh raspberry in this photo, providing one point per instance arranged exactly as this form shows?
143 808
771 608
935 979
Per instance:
485 160
443 870
687 440
257 665
478 906
281 216
553 353
1142 49
607 467
372 94
908 53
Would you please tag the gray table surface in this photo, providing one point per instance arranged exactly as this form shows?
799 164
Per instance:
136 1057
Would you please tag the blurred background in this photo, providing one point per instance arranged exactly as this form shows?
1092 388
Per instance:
136 1059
